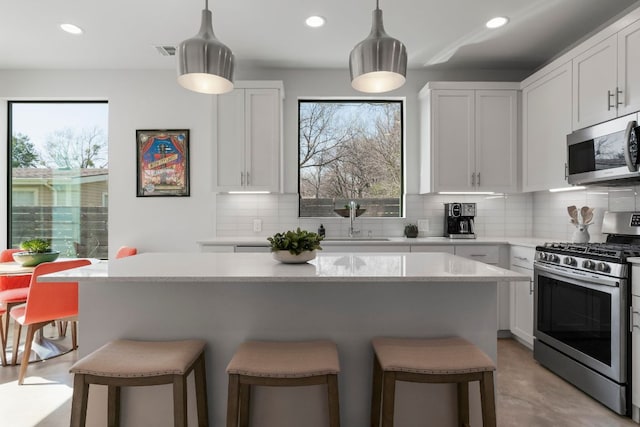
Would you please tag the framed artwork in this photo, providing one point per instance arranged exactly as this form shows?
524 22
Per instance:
162 162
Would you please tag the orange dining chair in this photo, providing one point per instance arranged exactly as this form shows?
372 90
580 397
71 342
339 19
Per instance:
126 251
13 291
46 302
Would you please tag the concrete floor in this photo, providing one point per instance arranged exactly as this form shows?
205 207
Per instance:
528 395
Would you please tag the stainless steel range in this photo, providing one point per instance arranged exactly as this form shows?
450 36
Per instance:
581 310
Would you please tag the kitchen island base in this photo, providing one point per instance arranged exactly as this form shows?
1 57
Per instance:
349 313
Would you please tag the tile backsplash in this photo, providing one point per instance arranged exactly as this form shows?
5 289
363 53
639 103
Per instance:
541 214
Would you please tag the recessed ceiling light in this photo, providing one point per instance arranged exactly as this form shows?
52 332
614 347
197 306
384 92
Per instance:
315 21
497 22
71 29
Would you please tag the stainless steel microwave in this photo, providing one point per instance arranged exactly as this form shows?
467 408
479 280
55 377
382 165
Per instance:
606 153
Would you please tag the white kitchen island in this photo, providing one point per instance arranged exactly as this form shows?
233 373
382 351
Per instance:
227 298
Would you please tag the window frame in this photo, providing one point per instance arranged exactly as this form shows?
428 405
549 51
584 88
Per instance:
402 101
9 123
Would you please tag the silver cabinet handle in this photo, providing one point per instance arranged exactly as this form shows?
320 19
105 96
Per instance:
478 255
618 93
473 179
241 178
632 312
521 258
609 96
248 182
478 179
566 171
530 286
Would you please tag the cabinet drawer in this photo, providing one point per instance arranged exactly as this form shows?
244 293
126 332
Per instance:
433 248
482 253
522 256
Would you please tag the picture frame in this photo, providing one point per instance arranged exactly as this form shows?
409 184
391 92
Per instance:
162 163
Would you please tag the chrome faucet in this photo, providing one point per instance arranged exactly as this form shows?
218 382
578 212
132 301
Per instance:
352 218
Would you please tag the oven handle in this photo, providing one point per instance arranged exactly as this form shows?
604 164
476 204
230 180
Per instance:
578 279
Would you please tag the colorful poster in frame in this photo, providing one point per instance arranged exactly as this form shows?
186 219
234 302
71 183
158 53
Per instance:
162 162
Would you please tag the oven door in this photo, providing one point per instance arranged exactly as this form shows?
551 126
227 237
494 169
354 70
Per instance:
582 315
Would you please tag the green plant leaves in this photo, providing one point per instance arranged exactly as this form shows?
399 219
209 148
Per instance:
295 242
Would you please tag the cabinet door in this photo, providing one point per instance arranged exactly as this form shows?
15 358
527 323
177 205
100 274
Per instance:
522 307
546 122
433 248
496 140
629 69
262 133
594 84
230 140
452 128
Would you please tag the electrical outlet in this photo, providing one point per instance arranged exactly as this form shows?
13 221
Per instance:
257 225
423 225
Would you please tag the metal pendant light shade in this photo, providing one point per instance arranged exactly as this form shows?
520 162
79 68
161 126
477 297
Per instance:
205 64
379 62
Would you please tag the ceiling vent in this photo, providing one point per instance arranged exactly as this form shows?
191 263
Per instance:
166 50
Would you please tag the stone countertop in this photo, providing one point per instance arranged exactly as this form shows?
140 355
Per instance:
261 267
392 241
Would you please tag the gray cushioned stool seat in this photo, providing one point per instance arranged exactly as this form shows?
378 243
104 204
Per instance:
430 360
124 363
281 363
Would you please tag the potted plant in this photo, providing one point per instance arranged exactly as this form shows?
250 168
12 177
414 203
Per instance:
295 246
34 252
411 230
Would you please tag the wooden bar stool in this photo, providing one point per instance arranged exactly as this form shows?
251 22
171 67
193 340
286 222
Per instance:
437 360
125 363
268 363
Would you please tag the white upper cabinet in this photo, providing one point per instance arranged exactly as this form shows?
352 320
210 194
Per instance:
629 69
249 137
468 133
606 79
546 122
595 77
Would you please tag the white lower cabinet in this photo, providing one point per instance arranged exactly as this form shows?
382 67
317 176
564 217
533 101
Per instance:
434 248
490 254
521 304
365 248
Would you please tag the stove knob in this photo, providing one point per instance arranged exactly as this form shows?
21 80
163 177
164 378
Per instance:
542 256
554 258
588 264
570 261
603 267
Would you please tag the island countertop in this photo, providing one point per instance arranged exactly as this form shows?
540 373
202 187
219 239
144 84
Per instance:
261 267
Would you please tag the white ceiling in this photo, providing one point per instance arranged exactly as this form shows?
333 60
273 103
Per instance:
444 34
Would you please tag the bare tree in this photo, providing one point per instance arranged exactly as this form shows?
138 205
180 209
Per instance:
68 149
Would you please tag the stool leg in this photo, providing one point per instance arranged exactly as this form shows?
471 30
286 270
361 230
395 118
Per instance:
487 398
31 332
17 330
463 404
245 401
334 400
3 341
376 394
233 397
79 401
388 398
74 335
200 377
180 400
113 406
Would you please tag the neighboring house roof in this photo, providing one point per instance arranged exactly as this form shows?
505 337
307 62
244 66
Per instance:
56 173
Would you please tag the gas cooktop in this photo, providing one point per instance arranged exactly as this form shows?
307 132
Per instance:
615 251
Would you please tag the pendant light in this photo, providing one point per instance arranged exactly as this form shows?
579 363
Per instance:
205 64
379 62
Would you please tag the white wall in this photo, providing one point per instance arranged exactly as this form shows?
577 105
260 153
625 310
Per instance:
151 99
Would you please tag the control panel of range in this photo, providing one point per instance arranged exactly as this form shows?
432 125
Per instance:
583 264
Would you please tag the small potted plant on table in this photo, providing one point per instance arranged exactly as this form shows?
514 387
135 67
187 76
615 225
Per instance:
295 247
34 252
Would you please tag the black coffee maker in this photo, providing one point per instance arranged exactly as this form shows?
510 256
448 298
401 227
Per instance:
458 220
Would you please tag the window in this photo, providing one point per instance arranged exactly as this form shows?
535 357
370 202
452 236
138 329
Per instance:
350 150
59 176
